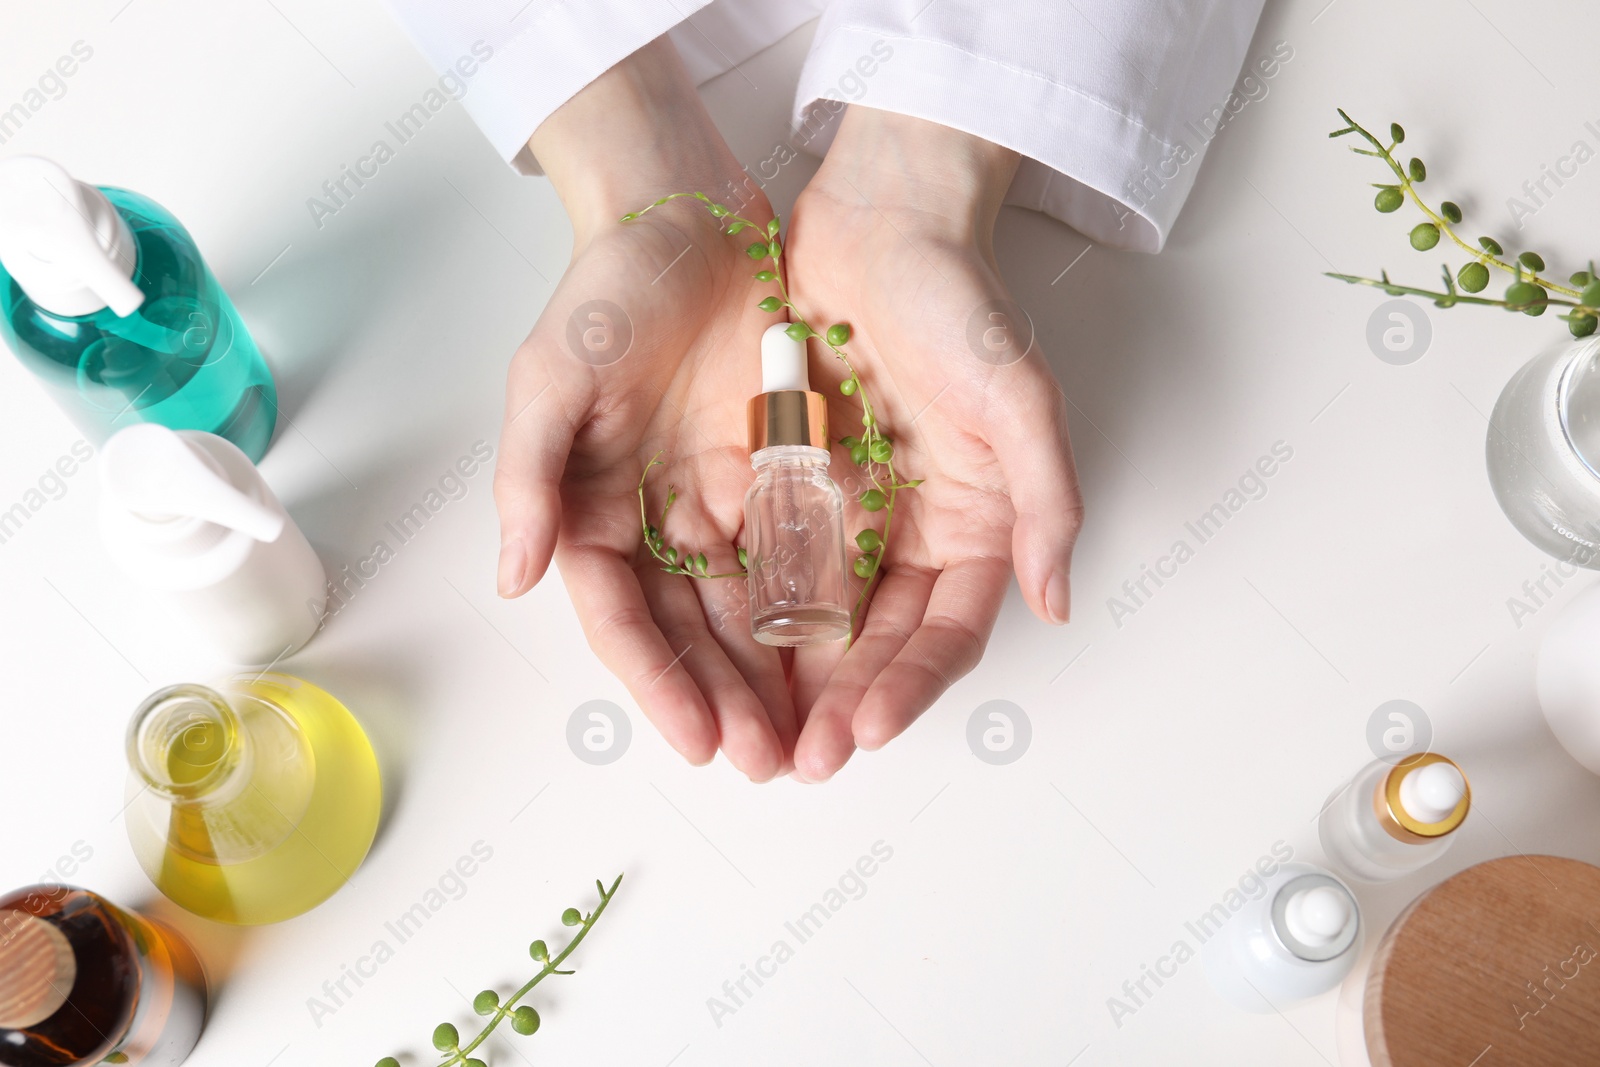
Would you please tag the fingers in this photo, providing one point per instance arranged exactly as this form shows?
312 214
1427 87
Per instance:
535 440
1036 456
743 725
828 738
949 642
616 619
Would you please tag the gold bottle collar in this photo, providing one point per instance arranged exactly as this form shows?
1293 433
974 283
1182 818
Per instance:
788 417
1394 818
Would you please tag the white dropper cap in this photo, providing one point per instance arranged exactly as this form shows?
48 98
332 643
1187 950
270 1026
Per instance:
1430 794
1317 916
159 479
63 242
783 361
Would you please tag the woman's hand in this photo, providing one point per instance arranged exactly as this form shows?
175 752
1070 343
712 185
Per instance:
893 235
648 345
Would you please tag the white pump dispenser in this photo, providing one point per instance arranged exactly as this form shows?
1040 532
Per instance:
63 242
187 514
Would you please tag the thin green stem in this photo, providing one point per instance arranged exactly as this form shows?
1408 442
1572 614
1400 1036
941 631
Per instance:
551 966
1408 189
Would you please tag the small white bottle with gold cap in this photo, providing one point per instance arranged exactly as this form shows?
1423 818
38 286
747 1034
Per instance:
1296 940
794 513
1393 818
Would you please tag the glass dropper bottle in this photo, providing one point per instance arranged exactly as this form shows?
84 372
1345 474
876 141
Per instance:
794 513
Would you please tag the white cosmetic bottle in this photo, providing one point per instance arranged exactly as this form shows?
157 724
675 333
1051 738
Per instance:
1569 678
1299 939
186 514
1392 819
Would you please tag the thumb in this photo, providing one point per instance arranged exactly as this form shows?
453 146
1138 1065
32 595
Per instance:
1036 455
535 441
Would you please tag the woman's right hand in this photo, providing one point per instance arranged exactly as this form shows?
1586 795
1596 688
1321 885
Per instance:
647 346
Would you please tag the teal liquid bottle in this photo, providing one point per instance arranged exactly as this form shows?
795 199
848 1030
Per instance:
106 299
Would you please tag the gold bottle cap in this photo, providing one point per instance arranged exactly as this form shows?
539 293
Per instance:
786 411
1401 824
788 417
37 970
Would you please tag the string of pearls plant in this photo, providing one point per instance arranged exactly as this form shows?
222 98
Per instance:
873 451
1529 291
524 1019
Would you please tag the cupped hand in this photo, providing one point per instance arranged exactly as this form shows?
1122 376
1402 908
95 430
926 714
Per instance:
646 347
893 236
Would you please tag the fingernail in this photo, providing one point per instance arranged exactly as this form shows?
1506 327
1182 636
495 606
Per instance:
513 565
1058 597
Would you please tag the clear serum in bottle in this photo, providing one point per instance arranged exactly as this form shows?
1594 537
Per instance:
794 513
1390 820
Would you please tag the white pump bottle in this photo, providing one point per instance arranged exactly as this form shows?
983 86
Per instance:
187 514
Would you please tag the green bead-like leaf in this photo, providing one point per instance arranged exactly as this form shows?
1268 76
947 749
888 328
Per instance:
744 559
848 441
1581 279
735 227
839 334
571 917
865 566
525 1020
486 1002
775 249
1397 132
1523 296
772 228
799 331
672 557
1450 211
539 951
1424 236
718 210
1590 297
1581 325
1473 277
387 1061
1532 260
1491 246
770 303
1389 199
873 500
700 562
445 1037
765 276
868 540
881 450
629 217
858 454
756 251
1418 172
473 1061
848 387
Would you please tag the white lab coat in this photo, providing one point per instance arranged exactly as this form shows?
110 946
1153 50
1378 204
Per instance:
1110 102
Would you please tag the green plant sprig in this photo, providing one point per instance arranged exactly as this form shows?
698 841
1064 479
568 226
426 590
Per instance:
687 563
1529 291
873 451
524 1019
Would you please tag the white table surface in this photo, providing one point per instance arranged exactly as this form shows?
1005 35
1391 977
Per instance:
1167 755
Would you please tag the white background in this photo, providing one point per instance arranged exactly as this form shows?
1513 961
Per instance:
1167 754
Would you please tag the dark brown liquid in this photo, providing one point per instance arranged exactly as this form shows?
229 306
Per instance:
137 991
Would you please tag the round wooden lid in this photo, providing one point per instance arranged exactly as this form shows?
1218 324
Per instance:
1498 966
37 970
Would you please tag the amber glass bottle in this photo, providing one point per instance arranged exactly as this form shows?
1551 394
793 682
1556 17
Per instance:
83 981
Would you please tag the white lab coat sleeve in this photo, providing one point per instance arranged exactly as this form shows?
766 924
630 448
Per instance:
1110 102
541 52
